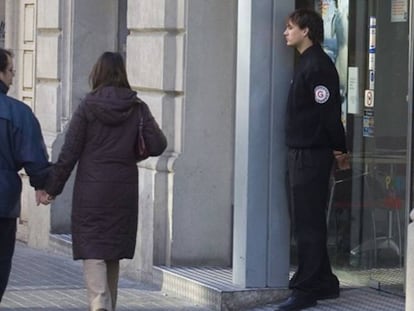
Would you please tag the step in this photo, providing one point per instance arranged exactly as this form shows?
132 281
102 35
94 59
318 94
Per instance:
213 287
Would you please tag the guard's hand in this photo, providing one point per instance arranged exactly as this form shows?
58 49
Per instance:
343 160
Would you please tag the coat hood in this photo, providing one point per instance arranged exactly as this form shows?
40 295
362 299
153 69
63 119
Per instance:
112 105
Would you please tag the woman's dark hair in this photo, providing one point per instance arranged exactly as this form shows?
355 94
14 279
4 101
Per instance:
307 18
109 70
4 59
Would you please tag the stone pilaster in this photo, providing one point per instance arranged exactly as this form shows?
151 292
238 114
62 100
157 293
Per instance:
155 64
261 222
181 60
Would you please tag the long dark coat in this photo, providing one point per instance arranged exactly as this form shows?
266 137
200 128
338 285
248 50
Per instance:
101 138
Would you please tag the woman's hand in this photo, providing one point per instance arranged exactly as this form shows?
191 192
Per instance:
43 197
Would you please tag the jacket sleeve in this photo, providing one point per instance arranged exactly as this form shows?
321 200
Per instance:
30 151
155 140
69 154
325 89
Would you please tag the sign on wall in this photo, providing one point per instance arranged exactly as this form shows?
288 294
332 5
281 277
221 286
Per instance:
399 11
353 91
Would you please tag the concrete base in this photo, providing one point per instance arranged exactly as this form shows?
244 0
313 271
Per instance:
22 233
213 288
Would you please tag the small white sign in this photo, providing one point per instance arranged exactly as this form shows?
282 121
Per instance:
354 106
369 99
399 11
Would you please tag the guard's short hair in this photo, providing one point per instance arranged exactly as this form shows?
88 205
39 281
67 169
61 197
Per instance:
4 59
307 18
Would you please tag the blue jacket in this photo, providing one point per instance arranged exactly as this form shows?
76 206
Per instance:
21 146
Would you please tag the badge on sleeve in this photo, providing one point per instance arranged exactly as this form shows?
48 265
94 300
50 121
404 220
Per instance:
321 94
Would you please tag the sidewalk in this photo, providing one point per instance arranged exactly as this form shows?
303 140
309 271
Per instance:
44 281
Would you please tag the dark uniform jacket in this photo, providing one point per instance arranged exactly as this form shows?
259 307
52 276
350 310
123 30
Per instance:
101 139
314 104
21 146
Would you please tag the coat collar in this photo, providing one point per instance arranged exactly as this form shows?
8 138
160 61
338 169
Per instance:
3 87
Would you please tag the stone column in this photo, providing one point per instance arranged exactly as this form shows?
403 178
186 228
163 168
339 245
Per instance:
155 61
12 39
2 22
203 178
12 36
181 60
261 222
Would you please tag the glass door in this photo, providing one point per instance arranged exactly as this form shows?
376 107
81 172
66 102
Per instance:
367 206
369 43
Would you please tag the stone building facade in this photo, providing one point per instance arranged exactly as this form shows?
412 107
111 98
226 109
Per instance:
215 74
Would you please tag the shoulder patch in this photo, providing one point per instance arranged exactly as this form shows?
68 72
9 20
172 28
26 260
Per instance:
321 94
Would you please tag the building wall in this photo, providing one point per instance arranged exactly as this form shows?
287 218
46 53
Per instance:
69 37
20 16
154 51
180 58
203 182
2 22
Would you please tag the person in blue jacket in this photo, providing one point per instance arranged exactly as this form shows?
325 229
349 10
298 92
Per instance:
21 146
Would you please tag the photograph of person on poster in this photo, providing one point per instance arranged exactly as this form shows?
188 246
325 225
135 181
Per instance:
335 23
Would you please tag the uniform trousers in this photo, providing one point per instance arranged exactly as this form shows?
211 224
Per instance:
101 278
308 175
7 242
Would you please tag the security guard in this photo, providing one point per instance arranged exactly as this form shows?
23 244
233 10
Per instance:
314 136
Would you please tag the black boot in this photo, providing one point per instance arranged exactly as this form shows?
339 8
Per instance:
298 300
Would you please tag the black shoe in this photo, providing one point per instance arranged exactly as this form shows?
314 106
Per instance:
297 301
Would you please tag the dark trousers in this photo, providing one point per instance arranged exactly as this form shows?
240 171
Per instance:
7 242
309 172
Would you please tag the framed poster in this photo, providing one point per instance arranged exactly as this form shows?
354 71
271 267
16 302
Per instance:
335 23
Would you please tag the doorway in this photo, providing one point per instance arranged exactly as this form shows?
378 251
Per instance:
367 214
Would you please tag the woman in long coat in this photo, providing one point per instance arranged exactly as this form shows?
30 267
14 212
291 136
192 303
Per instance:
102 138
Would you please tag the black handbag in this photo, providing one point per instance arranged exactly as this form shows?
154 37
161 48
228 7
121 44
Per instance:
141 150
150 140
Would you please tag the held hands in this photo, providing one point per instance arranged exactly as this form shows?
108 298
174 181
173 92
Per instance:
43 197
342 160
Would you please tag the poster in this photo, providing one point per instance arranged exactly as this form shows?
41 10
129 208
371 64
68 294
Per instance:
335 23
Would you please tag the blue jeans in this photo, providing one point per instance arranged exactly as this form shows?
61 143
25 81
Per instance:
7 242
